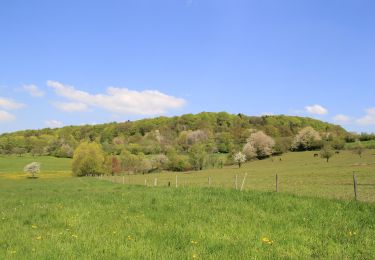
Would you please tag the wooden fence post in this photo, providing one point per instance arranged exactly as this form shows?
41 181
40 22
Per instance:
156 182
355 186
176 182
277 183
146 182
243 181
236 182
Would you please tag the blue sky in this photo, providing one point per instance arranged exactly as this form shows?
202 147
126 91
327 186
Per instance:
76 62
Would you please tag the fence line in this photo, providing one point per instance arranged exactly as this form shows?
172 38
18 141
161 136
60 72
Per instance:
198 181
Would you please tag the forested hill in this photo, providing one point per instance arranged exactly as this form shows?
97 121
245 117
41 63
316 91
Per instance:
221 131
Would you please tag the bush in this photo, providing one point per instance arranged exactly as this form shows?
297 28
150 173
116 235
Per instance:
88 158
198 157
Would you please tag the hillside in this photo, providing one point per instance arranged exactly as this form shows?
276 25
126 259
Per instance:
223 131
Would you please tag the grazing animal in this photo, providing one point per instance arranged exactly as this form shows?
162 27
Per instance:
316 155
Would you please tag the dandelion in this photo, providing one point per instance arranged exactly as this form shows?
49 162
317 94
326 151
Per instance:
194 242
195 256
34 226
74 236
114 232
266 240
130 238
38 238
352 233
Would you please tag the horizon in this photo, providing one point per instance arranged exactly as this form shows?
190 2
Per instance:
155 117
121 60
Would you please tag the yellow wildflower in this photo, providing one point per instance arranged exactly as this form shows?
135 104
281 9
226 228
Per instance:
75 236
34 226
195 256
267 241
39 238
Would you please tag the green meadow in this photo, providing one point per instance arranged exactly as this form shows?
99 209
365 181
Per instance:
314 214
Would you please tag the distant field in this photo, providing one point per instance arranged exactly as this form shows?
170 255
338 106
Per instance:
299 173
84 218
366 144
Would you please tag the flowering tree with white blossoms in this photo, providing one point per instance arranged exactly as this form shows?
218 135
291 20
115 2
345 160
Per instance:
32 168
239 158
306 139
259 145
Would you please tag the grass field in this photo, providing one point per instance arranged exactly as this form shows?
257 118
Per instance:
71 218
58 216
298 173
366 144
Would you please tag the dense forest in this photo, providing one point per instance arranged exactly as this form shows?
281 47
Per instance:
181 142
222 132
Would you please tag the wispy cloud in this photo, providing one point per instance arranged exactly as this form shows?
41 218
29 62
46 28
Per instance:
54 123
6 116
33 90
71 106
121 100
342 119
368 119
316 110
9 104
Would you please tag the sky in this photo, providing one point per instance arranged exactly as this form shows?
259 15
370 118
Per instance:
66 62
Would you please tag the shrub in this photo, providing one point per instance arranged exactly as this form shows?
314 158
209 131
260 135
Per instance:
88 158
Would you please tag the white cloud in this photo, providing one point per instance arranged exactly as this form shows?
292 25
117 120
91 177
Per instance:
342 119
71 106
316 110
33 90
121 100
54 123
6 116
369 118
9 104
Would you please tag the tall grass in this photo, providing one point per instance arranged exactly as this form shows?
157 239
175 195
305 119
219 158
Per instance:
70 218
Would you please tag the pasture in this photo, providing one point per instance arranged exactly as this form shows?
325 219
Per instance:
313 216
70 218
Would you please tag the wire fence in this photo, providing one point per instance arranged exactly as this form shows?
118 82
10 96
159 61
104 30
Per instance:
346 186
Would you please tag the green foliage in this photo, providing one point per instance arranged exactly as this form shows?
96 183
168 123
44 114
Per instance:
198 156
326 152
88 158
178 162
